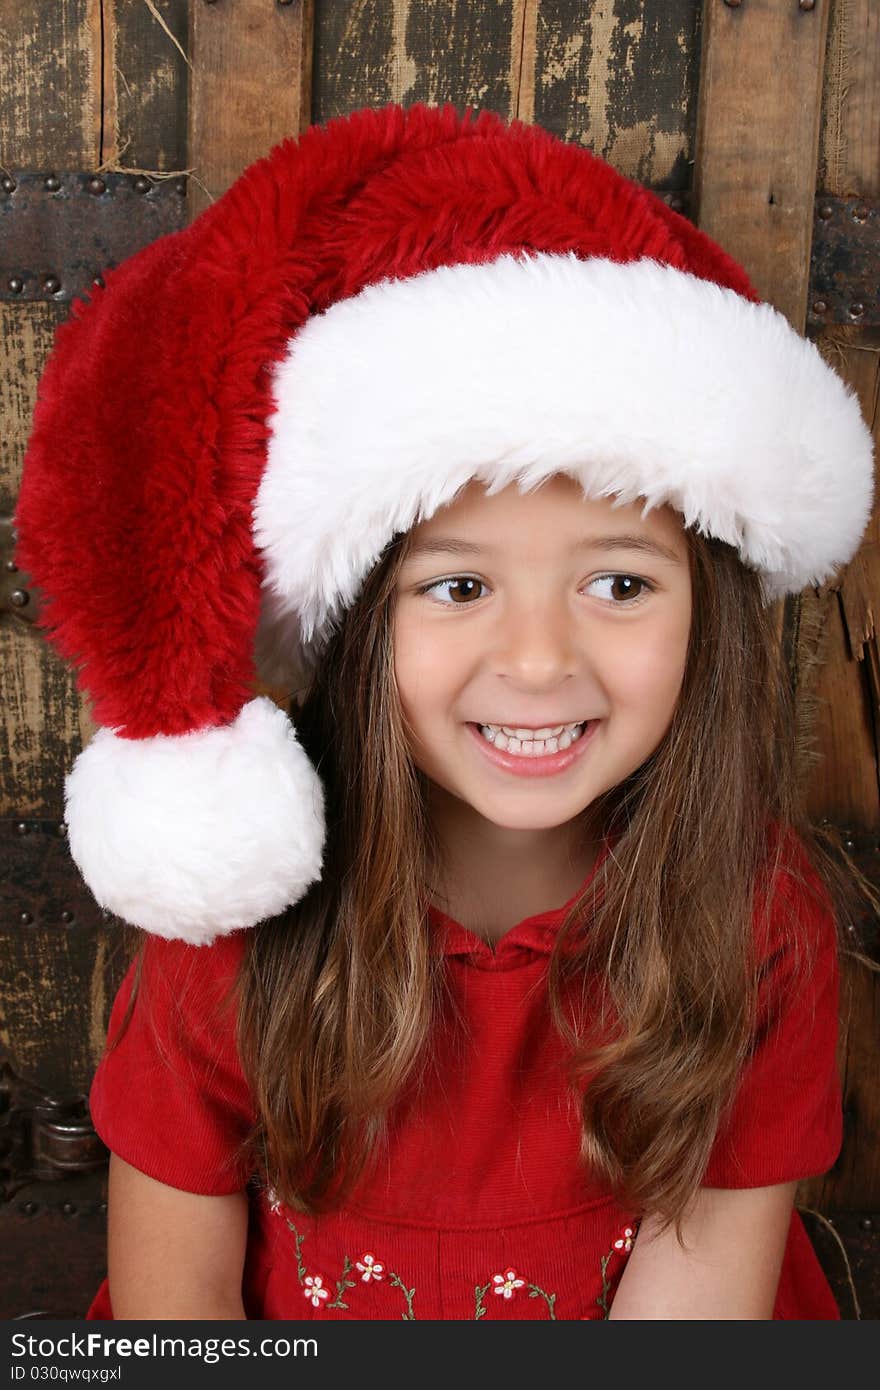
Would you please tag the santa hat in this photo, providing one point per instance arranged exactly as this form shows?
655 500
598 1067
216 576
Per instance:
228 435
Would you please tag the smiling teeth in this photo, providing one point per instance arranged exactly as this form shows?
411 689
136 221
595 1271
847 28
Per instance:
531 742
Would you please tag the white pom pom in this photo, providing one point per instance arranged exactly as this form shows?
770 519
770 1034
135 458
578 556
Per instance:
195 836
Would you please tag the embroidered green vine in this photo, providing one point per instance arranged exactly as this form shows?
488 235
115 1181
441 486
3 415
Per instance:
341 1285
602 1300
395 1279
300 1267
479 1294
549 1299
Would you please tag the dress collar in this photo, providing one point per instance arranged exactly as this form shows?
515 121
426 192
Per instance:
534 934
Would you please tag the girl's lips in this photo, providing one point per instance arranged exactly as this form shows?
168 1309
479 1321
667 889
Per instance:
545 766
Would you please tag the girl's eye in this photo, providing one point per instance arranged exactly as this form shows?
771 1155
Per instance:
459 581
625 589
623 583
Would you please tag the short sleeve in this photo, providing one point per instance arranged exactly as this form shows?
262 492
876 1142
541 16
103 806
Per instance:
171 1098
786 1122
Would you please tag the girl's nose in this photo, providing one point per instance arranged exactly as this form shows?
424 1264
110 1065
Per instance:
536 646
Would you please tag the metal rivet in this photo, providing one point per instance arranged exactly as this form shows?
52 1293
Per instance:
180 187
19 598
67 916
22 827
733 4
7 183
807 4
106 914
96 185
860 214
61 829
284 2
820 306
142 184
28 1208
676 203
11 567
856 310
68 1208
16 284
866 1224
25 918
51 284
848 841
99 281
826 211
102 1206
51 183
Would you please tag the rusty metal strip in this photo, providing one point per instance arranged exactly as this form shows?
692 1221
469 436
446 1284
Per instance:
18 597
40 886
58 231
845 263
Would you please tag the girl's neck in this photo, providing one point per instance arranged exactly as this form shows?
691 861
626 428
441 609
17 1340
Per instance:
492 877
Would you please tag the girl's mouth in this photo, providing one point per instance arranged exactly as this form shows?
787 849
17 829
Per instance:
535 757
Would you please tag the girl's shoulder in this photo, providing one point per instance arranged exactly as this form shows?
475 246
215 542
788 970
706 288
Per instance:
795 921
197 982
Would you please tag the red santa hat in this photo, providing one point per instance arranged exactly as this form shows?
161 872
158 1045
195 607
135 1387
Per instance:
229 433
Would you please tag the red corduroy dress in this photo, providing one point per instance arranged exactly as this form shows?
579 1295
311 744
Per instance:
477 1206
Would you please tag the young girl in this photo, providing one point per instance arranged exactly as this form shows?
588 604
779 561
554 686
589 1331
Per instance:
496 464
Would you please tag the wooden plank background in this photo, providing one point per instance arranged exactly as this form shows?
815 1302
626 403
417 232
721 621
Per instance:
749 109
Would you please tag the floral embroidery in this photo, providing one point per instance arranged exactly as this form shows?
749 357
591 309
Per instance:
273 1199
371 1268
315 1291
371 1271
622 1245
626 1240
506 1283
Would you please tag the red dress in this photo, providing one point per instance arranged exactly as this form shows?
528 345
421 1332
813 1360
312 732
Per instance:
477 1207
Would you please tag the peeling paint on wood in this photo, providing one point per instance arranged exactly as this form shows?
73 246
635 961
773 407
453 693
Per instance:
26 333
44 723
620 77
50 84
42 719
370 52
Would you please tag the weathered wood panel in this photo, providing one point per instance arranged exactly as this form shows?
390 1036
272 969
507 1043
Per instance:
42 720
845 782
622 79
757 141
250 87
370 52
619 78
145 84
50 83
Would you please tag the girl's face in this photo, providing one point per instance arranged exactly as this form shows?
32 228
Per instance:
534 611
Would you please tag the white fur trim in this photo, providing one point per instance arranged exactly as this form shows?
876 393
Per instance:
196 836
639 380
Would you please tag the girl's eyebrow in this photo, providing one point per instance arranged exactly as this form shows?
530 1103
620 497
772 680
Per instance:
451 545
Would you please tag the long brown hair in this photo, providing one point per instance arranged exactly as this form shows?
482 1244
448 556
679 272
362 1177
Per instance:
337 996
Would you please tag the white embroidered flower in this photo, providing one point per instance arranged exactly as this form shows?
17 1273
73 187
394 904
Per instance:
626 1240
506 1283
273 1199
370 1269
314 1290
